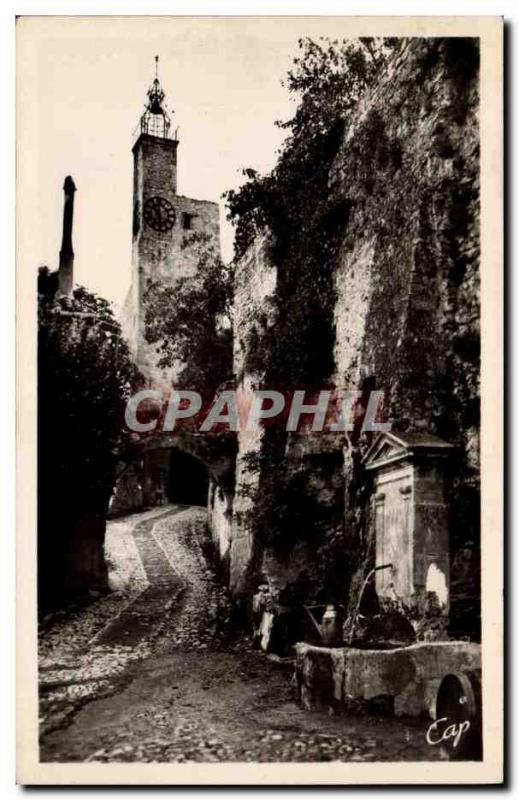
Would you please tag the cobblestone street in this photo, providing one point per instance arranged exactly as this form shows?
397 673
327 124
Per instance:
152 672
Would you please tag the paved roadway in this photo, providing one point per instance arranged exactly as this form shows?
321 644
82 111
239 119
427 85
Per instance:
159 676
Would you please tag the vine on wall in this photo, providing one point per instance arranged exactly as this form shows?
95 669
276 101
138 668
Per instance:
406 178
292 343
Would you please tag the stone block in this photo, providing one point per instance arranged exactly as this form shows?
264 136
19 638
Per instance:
346 677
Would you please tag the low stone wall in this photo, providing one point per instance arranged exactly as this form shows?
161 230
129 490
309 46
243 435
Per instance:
407 677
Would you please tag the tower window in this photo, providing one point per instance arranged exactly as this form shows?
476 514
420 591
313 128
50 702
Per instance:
187 221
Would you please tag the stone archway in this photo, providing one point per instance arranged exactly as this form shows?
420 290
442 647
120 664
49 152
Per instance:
192 471
181 472
160 476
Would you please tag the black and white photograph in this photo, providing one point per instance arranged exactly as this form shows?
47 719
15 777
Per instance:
259 360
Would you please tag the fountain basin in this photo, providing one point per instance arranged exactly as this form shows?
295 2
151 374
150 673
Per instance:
405 678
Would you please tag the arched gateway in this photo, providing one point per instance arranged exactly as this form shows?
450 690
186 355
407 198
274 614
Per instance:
186 471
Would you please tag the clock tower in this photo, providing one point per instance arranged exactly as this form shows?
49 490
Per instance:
164 223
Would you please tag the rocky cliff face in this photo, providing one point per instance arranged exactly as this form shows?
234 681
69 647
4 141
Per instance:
404 189
407 313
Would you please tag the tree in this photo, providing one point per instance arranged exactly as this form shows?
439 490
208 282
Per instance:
85 376
327 79
305 221
296 205
191 322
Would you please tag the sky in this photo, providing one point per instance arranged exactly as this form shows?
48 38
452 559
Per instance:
82 85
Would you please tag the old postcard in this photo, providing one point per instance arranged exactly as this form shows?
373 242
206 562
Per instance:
259 293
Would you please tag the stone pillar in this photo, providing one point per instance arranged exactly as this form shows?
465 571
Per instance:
66 254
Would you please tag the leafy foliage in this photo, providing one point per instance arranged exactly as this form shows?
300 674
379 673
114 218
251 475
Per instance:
191 321
85 376
295 205
305 224
328 79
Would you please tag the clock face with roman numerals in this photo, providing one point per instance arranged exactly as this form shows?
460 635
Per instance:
159 214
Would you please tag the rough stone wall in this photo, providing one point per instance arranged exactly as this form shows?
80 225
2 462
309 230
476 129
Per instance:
310 462
407 285
407 315
255 282
408 292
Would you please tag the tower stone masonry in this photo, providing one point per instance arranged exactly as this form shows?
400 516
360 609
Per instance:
165 226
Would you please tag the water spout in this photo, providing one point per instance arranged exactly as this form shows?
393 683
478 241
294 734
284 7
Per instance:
361 595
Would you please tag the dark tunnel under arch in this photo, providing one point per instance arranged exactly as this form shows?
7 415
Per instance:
188 479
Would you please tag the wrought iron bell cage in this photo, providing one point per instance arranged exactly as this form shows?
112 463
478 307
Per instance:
155 121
